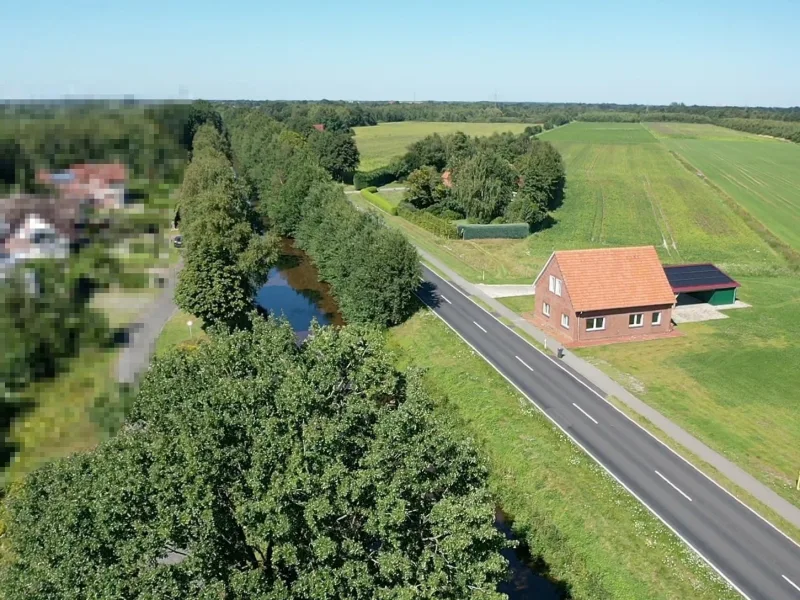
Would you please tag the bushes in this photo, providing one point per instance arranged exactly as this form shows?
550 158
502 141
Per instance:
370 194
429 222
515 231
376 177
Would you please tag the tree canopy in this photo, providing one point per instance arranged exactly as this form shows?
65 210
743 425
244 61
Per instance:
250 468
373 271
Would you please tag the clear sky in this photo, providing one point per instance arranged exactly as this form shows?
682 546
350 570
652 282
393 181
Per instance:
698 52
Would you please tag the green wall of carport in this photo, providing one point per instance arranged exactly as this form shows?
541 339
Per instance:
716 297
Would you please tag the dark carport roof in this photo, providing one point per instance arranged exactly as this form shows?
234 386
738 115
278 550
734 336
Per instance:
696 278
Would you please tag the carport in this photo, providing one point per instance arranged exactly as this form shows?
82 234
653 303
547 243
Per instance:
701 283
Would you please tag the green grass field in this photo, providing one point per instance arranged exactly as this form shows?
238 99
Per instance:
591 533
762 174
623 188
379 144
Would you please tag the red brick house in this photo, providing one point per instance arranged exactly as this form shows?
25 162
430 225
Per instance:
588 297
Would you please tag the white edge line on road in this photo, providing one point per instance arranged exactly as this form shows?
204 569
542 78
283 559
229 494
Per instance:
791 583
530 368
594 458
585 414
479 327
675 487
616 408
443 297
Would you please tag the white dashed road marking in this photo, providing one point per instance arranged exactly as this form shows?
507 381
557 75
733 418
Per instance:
524 363
443 297
479 327
675 487
791 583
585 414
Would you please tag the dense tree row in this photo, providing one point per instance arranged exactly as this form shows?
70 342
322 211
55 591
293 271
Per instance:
373 271
503 178
781 129
252 469
227 256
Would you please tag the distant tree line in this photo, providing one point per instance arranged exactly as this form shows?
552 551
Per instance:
373 271
227 254
355 114
298 115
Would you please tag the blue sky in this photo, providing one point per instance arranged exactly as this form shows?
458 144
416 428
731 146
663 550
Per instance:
703 51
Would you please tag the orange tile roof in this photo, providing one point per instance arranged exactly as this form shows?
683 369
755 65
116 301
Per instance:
610 278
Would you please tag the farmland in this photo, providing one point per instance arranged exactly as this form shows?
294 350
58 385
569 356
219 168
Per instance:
379 144
759 173
727 382
623 188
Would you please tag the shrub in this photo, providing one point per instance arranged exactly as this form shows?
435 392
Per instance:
378 200
514 231
429 222
376 177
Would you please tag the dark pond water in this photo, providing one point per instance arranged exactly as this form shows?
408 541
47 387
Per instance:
526 579
293 289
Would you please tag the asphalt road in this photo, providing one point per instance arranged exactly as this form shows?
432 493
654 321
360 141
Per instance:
759 561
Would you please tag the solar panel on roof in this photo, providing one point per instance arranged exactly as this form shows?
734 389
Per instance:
697 277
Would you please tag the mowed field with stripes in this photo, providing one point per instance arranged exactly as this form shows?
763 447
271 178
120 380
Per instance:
761 174
625 187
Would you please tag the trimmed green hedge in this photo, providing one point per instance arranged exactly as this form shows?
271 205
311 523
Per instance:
430 222
515 231
376 177
379 201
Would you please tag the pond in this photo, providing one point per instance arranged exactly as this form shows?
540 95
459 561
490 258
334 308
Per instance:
293 289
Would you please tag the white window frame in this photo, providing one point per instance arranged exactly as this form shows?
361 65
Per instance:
633 318
565 320
546 309
558 287
552 284
594 326
656 318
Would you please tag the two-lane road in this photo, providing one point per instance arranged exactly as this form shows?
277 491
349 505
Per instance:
756 558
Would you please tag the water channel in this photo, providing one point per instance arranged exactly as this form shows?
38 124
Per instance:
293 289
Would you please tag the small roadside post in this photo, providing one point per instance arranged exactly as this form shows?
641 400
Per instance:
797 487
189 324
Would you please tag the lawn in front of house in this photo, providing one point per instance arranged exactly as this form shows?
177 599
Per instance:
590 532
733 383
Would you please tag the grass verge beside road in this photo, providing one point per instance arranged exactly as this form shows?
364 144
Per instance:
574 517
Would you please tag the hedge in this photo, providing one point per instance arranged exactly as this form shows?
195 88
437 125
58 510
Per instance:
430 222
379 201
376 177
514 231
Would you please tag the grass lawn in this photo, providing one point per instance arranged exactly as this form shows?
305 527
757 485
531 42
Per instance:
733 383
176 332
379 144
58 422
760 173
519 304
583 525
